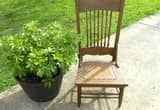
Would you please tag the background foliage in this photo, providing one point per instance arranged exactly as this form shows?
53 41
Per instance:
14 13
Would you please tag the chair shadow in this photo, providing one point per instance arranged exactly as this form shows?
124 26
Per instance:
68 102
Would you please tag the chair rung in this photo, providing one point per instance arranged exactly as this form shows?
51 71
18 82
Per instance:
83 96
91 93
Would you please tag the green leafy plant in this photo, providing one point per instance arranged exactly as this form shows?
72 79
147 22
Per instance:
38 52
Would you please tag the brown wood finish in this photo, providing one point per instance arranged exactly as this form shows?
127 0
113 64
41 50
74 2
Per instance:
96 51
98 74
98 25
109 29
113 5
79 95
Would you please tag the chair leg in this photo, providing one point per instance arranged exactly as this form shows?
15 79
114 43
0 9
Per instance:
121 96
116 64
79 95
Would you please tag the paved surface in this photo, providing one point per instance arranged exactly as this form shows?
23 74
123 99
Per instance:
139 60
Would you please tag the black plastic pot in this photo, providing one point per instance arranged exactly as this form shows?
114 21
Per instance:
38 93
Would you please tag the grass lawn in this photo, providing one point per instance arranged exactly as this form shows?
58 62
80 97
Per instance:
14 13
6 81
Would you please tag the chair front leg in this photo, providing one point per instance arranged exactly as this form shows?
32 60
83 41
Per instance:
121 96
79 95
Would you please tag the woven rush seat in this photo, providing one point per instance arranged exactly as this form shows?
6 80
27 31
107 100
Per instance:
98 73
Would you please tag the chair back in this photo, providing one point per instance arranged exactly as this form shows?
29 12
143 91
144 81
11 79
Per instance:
96 20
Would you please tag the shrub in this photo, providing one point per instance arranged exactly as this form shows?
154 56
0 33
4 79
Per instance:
38 52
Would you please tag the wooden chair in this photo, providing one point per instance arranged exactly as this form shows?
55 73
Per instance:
95 19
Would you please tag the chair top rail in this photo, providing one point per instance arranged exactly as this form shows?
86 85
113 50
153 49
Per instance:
112 5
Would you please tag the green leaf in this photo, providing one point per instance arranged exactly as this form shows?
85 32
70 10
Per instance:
58 57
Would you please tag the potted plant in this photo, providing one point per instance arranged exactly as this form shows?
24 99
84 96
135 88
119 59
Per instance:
38 58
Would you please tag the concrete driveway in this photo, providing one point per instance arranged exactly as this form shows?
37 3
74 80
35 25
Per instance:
139 60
